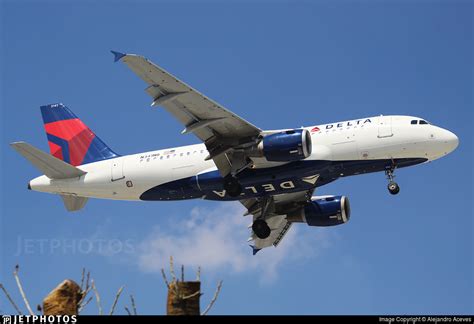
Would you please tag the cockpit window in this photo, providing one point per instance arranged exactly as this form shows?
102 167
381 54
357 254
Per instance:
414 122
423 122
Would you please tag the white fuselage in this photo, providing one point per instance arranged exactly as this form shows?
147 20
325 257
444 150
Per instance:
375 138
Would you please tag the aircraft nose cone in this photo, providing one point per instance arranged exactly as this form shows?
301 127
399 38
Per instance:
450 140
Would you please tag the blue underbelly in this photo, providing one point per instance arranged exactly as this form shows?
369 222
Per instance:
292 177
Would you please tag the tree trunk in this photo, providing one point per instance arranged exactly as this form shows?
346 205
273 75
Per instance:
63 300
183 298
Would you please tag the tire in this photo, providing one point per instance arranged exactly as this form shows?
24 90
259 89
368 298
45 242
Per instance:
393 188
261 229
232 186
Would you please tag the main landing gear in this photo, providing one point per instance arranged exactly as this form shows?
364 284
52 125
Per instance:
260 226
392 187
232 186
261 229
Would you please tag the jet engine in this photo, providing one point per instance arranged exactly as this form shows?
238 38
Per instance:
323 211
284 146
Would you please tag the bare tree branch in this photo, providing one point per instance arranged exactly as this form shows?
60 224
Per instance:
174 286
133 305
11 300
128 311
82 278
216 294
84 291
173 275
82 306
18 283
84 295
117 296
88 280
97 297
192 295
164 278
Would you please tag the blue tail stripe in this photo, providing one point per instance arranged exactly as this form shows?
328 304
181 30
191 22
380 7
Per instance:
56 112
63 144
97 151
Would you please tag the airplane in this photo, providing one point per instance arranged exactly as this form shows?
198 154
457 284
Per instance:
273 173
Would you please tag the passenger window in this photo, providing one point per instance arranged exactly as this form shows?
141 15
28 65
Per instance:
414 122
423 122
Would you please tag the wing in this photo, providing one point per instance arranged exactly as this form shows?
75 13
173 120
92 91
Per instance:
276 208
220 129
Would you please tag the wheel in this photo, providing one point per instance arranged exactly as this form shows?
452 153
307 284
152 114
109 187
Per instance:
232 186
393 188
261 229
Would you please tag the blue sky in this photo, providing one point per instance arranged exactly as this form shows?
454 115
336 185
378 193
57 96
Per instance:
279 65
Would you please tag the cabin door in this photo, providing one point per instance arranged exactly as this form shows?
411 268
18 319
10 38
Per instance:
385 126
117 169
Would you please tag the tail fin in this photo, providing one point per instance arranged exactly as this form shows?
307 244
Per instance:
70 139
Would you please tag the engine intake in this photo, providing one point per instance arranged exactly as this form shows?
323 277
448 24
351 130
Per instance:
285 146
323 211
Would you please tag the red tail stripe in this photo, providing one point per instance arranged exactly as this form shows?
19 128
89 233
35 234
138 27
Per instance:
66 129
79 145
55 150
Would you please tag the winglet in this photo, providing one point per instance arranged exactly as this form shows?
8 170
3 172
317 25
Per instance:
254 249
117 55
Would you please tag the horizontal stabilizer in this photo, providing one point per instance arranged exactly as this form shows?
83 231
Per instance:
51 167
74 203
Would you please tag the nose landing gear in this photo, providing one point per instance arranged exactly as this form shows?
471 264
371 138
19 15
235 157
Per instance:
392 187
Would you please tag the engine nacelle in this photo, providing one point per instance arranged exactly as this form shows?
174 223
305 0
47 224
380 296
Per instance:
323 211
285 146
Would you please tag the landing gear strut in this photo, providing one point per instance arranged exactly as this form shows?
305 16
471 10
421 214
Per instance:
232 186
392 187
